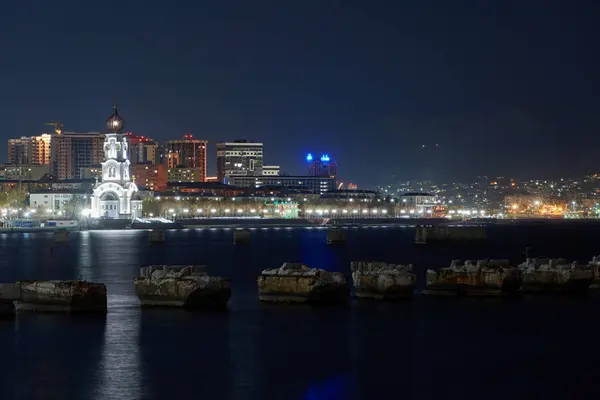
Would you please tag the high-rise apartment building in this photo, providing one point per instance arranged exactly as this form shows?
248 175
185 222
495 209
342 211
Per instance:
40 149
34 150
70 152
187 152
239 158
141 149
150 176
19 151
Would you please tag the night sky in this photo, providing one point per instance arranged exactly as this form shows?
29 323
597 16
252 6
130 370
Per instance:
502 87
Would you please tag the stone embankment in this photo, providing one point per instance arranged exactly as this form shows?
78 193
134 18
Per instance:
189 287
336 236
382 281
61 296
298 283
555 276
483 278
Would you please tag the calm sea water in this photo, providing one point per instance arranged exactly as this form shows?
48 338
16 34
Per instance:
424 349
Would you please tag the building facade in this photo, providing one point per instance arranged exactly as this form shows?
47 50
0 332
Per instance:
270 170
115 197
313 183
23 172
70 152
322 166
142 149
34 150
150 176
187 152
239 158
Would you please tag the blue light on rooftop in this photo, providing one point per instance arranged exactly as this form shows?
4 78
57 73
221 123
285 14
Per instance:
325 158
309 157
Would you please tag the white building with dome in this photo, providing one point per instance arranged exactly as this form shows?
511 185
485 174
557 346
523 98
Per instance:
115 197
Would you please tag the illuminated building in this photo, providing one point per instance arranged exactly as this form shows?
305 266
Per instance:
270 170
23 172
322 166
93 172
34 150
19 151
315 184
116 197
70 152
150 176
184 174
189 153
141 149
239 158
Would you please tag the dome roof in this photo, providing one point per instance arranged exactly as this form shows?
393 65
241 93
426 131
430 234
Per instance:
115 123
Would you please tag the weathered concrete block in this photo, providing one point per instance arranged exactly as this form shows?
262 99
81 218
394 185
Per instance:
594 265
555 276
298 283
382 281
7 310
336 236
61 296
483 278
188 286
241 236
61 236
156 236
9 292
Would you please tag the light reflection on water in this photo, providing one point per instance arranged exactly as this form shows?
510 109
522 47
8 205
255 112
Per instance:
421 349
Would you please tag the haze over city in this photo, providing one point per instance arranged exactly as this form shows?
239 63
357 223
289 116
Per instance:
502 87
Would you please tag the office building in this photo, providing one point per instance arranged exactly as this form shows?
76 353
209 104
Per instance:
187 152
239 158
70 152
322 166
313 183
270 170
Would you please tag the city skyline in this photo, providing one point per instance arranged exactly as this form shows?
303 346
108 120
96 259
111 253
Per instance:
505 87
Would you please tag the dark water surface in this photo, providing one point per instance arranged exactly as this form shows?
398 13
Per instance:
428 348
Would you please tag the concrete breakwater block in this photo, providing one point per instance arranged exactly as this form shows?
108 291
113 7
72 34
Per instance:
298 283
336 236
555 276
61 296
189 287
9 292
382 281
156 236
481 278
594 265
241 236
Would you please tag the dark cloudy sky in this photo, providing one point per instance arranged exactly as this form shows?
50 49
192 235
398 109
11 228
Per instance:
503 87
